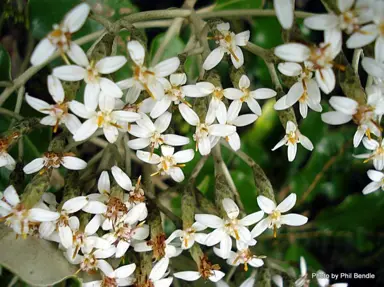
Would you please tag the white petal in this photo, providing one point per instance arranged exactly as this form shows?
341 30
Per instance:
234 141
373 67
42 215
281 104
73 163
148 157
217 276
137 52
37 104
95 207
205 87
344 105
121 178
345 5
87 129
292 149
65 234
293 219
111 133
175 140
242 38
293 52
263 93
34 166
282 142
303 109
42 52
267 205
55 89
189 115
278 280
109 65
72 123
230 208
375 175
159 269
371 187
260 227
160 107
93 225
166 282
77 55
204 146
209 220
254 106
81 110
232 93
290 69
110 88
287 203
335 118
305 142
284 12
321 22
163 122
166 67
69 73
294 94
184 156
360 39
105 267
213 58
237 61
178 79
187 275
75 204
11 195
221 130
215 237
252 218
250 282
139 143
91 96
76 17
326 80
379 49
121 248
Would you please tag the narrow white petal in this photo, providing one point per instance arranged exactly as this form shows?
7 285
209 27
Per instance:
77 55
254 106
121 178
125 271
284 12
73 163
217 276
237 61
81 110
37 104
187 275
306 142
125 116
293 52
371 187
166 67
375 175
209 220
252 218
230 208
136 52
66 237
91 96
242 38
11 195
292 150
110 88
321 22
287 203
139 143
159 269
111 64
160 107
260 227
55 89
213 59
75 204
234 141
34 166
266 204
293 219
335 118
42 215
359 39
326 80
290 69
42 52
148 157
184 156
76 17
69 73
175 140
93 225
95 207
263 94
344 105
87 129
189 115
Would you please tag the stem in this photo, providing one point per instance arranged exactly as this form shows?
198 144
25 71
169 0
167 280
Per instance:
10 113
158 14
238 13
128 158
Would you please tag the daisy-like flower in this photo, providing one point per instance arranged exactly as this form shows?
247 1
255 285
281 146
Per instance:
151 134
371 32
217 108
229 43
305 91
275 218
207 271
175 91
58 113
243 256
351 16
106 117
61 36
377 154
157 277
377 178
6 160
114 278
284 12
228 227
364 116
235 120
250 97
20 219
323 281
146 78
207 134
54 160
92 73
169 163
291 139
318 58
190 235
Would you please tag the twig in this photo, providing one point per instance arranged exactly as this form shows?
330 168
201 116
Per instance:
75 144
127 153
197 169
10 113
239 13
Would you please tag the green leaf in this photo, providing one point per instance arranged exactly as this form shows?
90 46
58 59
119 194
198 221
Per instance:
238 4
36 261
174 47
5 65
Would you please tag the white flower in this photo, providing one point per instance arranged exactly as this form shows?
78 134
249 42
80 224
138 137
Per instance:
54 160
275 218
377 178
61 36
20 219
363 115
190 235
250 97
162 248
118 277
106 118
207 271
146 78
235 120
243 256
305 91
291 139
349 20
324 282
175 92
284 12
318 59
371 32
91 73
58 113
227 227
217 108
169 163
207 134
377 154
151 134
229 43
157 277
6 160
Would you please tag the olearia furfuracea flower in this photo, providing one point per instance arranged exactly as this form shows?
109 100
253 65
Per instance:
242 256
317 58
251 97
371 32
6 160
59 112
305 91
284 12
229 43
228 227
235 120
17 217
351 16
377 178
175 91
189 236
107 118
292 137
207 133
61 36
146 78
54 160
121 276
151 134
377 154
365 115
275 217
169 162
323 280
207 271
92 73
